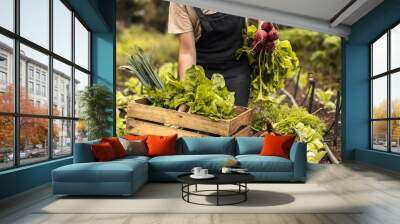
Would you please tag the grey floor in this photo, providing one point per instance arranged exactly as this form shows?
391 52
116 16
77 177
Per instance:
377 188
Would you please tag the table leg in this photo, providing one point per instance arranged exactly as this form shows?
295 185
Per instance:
188 190
217 194
195 188
245 193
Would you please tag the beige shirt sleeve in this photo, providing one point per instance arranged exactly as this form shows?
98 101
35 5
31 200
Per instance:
178 19
182 19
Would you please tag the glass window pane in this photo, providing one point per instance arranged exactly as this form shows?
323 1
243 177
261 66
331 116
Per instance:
81 131
81 45
379 135
379 97
62 29
7 14
395 94
62 138
81 82
395 47
35 21
6 74
379 56
34 97
6 142
33 140
395 138
62 89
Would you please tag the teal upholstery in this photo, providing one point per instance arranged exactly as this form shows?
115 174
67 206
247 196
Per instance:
125 176
298 155
83 152
207 145
249 145
119 177
257 163
184 163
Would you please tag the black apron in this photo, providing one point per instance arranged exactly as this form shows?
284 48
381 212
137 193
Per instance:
221 36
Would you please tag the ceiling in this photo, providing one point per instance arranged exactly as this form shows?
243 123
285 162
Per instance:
328 16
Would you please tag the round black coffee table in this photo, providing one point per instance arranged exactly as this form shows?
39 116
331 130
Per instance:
238 179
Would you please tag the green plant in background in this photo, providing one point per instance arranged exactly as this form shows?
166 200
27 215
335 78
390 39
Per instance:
293 120
314 140
324 98
318 53
97 104
163 48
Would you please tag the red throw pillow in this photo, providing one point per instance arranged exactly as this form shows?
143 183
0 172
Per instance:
161 145
136 137
103 152
116 145
277 145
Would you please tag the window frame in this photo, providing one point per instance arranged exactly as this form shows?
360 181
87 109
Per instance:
16 114
388 74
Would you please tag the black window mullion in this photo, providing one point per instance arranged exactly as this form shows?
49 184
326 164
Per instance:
73 82
50 79
371 89
389 99
16 69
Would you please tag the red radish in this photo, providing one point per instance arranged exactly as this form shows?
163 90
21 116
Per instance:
273 35
267 26
261 36
256 45
270 46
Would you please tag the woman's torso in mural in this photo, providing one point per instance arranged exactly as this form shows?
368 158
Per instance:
217 36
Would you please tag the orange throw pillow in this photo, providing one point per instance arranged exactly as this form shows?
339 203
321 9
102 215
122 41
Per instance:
136 137
116 145
277 145
103 152
161 145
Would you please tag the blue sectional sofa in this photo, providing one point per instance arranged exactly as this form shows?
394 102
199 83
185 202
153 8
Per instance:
125 176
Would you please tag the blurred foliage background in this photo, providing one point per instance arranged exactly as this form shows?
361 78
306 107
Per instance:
144 23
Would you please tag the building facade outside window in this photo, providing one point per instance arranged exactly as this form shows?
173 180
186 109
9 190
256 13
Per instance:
44 106
385 92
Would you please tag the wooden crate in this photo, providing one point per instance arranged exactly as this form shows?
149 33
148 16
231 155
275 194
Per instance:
147 119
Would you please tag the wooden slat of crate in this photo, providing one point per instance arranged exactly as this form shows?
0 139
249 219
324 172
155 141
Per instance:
242 119
136 127
244 132
189 121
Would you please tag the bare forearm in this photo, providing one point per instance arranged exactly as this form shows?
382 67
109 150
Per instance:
185 61
187 53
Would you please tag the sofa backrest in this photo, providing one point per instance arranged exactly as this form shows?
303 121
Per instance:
206 145
83 153
249 145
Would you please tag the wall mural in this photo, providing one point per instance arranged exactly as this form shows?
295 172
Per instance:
196 72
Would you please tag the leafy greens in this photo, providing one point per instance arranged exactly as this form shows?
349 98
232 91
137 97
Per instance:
206 97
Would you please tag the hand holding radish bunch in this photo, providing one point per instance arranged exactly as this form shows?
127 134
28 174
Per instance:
271 60
265 38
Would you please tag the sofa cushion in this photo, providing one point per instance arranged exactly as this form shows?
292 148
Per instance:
112 171
83 152
161 145
116 145
257 163
103 152
185 163
134 147
277 145
249 145
206 145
